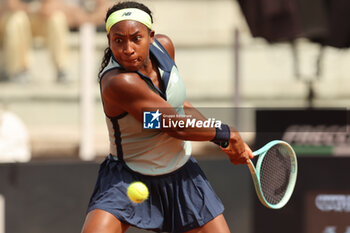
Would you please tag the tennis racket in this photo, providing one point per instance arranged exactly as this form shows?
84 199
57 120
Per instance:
274 174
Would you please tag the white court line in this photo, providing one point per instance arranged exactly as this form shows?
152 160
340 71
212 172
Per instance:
2 214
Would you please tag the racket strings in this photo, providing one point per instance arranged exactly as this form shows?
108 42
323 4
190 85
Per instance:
275 173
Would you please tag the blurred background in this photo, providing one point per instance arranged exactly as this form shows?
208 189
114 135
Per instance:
232 54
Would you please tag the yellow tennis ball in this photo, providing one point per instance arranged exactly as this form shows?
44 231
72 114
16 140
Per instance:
137 192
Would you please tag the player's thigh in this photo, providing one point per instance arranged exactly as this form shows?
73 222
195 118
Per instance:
217 225
100 221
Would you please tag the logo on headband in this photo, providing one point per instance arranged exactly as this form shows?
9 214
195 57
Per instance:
127 13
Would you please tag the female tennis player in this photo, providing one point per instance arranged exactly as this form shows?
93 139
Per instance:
138 72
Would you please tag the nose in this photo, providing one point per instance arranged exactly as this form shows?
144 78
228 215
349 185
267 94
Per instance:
128 49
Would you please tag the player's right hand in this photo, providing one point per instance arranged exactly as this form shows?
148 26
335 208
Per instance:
237 150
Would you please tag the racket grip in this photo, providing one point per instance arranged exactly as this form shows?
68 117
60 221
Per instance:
224 144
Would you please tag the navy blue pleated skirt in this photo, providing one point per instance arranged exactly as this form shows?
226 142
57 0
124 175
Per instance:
178 201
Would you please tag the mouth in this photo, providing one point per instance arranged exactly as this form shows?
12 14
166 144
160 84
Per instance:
131 64
132 61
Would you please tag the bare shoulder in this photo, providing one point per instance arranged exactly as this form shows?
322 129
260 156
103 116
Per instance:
121 85
167 44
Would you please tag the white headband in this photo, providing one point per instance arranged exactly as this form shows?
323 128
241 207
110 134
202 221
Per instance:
129 14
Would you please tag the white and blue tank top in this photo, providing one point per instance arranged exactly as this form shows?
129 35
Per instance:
150 151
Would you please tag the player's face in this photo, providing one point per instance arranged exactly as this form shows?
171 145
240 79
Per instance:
129 42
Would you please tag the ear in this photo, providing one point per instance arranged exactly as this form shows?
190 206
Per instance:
151 36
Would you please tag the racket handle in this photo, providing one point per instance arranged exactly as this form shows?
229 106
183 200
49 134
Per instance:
224 144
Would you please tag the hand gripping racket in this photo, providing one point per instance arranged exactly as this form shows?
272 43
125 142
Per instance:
275 173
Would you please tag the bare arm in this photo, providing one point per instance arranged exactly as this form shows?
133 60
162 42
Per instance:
127 92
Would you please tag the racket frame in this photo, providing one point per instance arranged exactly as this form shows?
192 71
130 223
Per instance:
255 173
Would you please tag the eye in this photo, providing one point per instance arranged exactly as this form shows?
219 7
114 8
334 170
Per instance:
118 40
137 38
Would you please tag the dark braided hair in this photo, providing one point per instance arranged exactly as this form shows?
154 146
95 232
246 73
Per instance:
121 5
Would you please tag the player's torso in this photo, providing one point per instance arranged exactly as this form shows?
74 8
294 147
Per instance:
148 151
